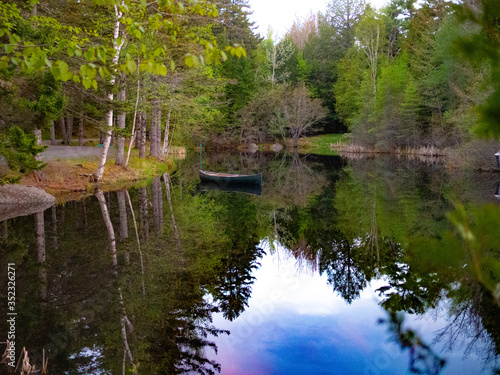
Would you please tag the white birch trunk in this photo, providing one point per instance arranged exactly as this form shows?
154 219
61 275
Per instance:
109 116
109 226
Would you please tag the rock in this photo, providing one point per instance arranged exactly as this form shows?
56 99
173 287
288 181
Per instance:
20 200
252 147
276 147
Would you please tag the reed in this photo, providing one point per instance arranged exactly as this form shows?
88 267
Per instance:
409 151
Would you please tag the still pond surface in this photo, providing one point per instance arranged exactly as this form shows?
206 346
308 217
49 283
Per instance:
337 266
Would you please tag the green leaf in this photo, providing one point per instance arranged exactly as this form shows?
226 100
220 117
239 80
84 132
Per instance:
161 69
3 65
76 79
90 54
131 66
144 3
94 84
56 73
28 51
101 54
87 82
189 61
172 65
14 39
8 48
103 72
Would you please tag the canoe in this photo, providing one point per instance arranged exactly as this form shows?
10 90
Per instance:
228 178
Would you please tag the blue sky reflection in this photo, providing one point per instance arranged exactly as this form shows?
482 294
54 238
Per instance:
296 324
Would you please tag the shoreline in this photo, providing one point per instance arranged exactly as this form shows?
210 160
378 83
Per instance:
69 179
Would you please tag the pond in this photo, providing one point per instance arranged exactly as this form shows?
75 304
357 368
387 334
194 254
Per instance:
350 266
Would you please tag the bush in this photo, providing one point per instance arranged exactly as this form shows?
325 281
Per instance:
20 150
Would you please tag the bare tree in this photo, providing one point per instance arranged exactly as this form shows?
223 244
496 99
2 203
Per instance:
298 112
301 30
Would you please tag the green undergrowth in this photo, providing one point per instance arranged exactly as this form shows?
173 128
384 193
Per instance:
320 144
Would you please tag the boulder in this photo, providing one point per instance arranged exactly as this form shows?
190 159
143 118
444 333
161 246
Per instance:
252 147
276 147
20 200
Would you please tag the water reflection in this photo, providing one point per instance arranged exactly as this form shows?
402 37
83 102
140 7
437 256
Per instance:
144 280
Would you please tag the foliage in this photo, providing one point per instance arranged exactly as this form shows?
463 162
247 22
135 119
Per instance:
20 151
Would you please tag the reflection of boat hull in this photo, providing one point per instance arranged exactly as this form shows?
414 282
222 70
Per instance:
234 188
222 179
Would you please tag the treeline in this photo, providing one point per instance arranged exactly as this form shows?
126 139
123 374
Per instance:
408 75
184 72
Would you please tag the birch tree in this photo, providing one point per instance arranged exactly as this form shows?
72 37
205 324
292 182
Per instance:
370 34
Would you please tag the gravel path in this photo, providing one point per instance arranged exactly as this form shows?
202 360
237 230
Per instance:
74 152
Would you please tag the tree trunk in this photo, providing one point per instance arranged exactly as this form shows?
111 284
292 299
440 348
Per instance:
167 131
120 142
166 179
69 130
122 207
80 130
52 134
138 240
41 256
63 130
109 116
142 135
85 220
155 133
54 226
38 134
109 226
157 203
143 212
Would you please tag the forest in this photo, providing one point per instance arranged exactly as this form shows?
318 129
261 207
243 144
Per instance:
160 73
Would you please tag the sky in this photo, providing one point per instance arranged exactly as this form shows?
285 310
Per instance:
280 14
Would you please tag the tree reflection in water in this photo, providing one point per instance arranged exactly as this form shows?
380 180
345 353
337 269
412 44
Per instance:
371 220
423 360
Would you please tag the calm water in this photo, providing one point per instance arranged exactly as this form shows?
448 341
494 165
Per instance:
336 266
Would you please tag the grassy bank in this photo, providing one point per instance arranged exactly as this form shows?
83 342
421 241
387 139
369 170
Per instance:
69 179
320 144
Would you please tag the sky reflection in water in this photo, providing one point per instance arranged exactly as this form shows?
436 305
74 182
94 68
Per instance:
296 324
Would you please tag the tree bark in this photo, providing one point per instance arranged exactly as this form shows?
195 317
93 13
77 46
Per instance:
133 124
109 116
141 141
52 134
69 130
167 132
120 142
155 133
63 130
80 130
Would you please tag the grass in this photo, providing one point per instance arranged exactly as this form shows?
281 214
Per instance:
69 179
320 144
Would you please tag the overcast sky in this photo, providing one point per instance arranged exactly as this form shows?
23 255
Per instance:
280 14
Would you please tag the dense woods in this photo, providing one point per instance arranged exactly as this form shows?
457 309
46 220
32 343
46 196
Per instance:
156 73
